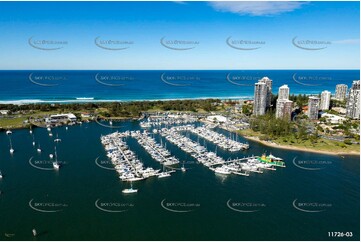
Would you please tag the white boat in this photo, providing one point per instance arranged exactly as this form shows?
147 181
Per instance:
241 173
39 149
50 134
222 170
30 131
1 175
183 169
11 147
33 143
56 165
49 129
163 175
9 132
111 122
66 128
51 156
135 179
130 190
57 140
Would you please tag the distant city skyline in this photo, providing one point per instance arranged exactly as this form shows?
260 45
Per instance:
179 35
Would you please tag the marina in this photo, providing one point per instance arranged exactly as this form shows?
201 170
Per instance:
135 177
157 151
215 163
124 160
130 168
219 139
166 119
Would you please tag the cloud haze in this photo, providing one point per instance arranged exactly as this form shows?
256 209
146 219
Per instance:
256 8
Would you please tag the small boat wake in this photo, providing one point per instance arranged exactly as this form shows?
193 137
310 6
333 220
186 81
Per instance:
9 235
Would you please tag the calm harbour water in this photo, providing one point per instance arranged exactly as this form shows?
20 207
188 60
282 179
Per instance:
74 190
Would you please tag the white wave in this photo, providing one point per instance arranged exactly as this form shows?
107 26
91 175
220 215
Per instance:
85 100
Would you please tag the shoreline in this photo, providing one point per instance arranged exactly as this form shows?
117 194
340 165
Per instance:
287 147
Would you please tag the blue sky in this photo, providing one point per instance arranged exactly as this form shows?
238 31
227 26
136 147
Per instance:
265 29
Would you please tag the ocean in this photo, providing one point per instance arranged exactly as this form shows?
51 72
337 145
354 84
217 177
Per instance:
83 86
290 203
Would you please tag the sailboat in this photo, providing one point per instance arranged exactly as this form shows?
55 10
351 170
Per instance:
11 146
183 169
56 164
39 149
130 190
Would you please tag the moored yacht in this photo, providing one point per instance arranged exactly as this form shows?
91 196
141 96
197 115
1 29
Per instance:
164 174
56 165
222 170
11 146
129 190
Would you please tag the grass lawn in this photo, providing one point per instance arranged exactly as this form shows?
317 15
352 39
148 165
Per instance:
11 123
321 144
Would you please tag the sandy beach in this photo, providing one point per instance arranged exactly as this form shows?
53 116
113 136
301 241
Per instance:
288 147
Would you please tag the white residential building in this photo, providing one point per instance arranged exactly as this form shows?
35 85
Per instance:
268 83
353 101
341 92
313 107
325 100
284 108
260 98
284 92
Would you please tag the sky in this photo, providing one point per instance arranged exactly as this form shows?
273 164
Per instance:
179 35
